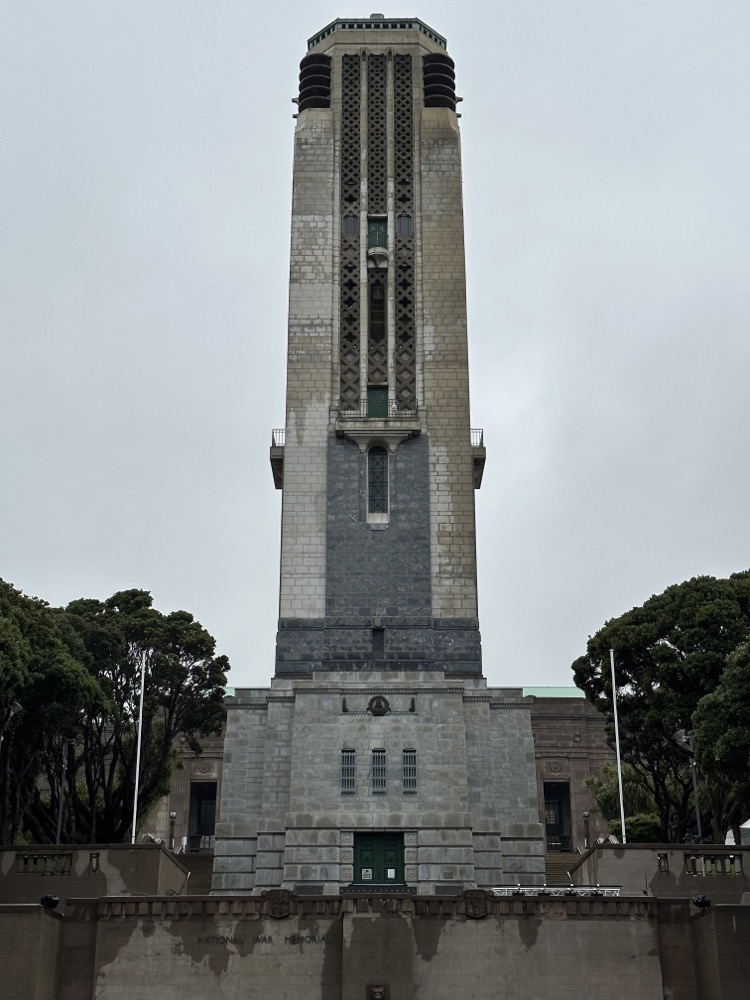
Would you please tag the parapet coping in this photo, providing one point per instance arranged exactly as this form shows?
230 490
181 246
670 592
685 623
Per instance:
377 24
280 904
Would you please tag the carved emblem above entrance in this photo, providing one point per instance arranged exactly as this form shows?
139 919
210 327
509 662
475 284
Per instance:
476 903
279 903
378 705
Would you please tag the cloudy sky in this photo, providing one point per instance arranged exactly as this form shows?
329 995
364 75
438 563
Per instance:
145 186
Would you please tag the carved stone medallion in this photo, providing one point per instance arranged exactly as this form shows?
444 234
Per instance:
378 705
279 903
476 903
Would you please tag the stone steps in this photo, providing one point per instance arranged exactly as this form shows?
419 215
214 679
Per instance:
201 866
558 864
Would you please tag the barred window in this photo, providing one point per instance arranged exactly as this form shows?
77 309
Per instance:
347 772
410 770
377 481
378 772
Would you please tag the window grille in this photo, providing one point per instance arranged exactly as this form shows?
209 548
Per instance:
347 772
377 481
410 770
378 772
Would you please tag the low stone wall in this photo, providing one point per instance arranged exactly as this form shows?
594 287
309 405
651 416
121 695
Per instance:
280 946
67 871
30 946
669 871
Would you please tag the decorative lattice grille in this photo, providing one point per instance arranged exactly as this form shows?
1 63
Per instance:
377 342
403 147
349 260
377 171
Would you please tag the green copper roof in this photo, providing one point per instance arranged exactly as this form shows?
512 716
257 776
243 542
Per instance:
377 22
553 692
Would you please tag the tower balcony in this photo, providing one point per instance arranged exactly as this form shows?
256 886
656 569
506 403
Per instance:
478 455
397 425
378 417
278 438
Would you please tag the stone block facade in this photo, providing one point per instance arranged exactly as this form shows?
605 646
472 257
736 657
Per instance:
467 815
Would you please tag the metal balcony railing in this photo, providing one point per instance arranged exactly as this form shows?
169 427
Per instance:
556 890
384 409
278 437
477 437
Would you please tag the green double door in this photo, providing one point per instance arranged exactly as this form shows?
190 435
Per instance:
379 858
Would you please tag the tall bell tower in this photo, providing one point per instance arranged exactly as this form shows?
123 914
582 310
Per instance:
378 564
378 760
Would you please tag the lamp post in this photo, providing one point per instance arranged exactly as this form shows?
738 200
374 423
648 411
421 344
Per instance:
172 819
686 739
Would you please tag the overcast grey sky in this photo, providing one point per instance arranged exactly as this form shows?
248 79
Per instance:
145 194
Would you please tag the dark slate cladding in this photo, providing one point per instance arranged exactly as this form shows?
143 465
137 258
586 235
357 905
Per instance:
383 569
378 582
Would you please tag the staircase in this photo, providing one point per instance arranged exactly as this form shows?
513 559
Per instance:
201 866
558 864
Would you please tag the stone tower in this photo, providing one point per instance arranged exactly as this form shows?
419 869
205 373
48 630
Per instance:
378 758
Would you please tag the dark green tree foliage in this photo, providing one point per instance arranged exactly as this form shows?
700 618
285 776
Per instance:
722 737
669 654
97 648
42 672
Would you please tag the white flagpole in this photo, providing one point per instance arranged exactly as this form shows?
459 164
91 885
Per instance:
617 745
138 751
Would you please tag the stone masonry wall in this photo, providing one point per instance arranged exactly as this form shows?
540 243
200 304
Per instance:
445 366
477 946
308 368
470 820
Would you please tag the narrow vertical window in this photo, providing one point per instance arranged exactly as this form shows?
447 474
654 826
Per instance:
377 481
404 224
378 772
347 772
350 224
377 233
410 771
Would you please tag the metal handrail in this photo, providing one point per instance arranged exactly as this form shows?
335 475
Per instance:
394 408
278 437
556 890
477 437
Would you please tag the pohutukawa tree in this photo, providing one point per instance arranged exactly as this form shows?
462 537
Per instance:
670 653
79 686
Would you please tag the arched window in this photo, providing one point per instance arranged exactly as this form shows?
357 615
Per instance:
377 480
350 224
404 224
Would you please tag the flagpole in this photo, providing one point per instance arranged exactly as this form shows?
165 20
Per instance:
138 751
617 745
